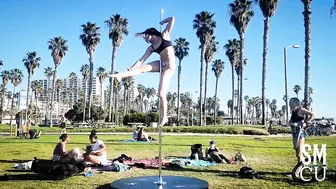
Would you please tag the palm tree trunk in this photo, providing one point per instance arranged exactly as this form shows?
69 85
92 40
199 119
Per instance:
114 54
48 99
101 96
215 108
52 95
264 71
27 98
178 92
59 103
91 83
307 24
237 112
201 85
85 96
233 93
11 114
116 108
36 106
205 89
241 36
125 90
2 102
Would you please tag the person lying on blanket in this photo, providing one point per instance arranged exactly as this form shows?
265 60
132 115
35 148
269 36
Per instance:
213 153
59 152
98 154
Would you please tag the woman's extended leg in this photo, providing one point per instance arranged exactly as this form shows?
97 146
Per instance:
164 84
299 149
150 67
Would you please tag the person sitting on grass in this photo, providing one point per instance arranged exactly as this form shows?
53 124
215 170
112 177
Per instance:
135 133
98 154
213 153
59 152
142 135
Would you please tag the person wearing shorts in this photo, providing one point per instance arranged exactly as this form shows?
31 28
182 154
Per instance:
299 121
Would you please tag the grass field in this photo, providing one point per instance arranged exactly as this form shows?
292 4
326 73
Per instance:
272 157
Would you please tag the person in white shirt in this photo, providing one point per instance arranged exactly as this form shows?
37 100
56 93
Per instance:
98 153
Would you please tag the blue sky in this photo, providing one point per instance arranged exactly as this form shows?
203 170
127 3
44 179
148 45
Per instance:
28 25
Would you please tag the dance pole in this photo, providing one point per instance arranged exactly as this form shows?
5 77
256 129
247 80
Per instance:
160 181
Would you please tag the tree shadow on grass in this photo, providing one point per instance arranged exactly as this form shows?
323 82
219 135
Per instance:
105 186
13 161
10 177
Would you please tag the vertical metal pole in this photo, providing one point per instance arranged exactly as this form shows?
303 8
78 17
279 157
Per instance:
286 88
192 110
160 181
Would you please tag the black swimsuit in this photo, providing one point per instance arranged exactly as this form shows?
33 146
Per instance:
164 44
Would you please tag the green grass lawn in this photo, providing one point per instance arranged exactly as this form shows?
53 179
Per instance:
272 156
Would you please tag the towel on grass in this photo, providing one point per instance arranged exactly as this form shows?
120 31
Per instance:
193 163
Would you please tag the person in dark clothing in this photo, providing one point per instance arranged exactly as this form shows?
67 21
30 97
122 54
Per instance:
214 154
299 121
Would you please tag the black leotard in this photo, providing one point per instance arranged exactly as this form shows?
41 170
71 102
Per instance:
164 44
212 150
295 117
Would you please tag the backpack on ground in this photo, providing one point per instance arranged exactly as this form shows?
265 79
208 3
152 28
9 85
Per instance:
56 170
247 172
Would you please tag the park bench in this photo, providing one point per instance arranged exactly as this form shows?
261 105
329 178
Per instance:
81 125
135 124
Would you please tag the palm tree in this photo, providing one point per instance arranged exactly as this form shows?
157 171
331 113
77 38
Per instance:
5 76
85 70
267 101
16 79
181 50
210 51
268 8
232 52
333 9
217 68
238 70
205 26
59 89
90 39
101 74
297 89
118 27
48 72
72 79
241 13
307 25
31 62
37 88
58 47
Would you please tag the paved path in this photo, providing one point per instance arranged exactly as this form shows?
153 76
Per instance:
168 134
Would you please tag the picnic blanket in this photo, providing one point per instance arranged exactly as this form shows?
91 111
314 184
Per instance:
131 140
193 163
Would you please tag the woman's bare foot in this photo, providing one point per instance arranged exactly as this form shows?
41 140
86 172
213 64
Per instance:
164 121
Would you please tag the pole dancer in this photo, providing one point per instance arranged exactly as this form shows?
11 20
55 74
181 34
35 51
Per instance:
161 44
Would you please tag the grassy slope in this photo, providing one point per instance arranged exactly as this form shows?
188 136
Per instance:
274 156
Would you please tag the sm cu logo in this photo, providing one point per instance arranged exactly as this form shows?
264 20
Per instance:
314 167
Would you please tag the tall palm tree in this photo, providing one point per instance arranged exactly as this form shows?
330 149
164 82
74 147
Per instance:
307 25
16 79
268 8
118 27
333 9
181 50
90 39
210 51
37 88
238 70
85 70
101 74
5 76
205 26
217 68
241 13
72 79
58 47
31 61
59 90
297 89
48 72
232 50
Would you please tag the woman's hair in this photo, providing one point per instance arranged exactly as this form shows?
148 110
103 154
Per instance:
294 102
140 134
93 134
151 31
63 137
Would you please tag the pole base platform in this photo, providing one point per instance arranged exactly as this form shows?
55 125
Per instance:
151 182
